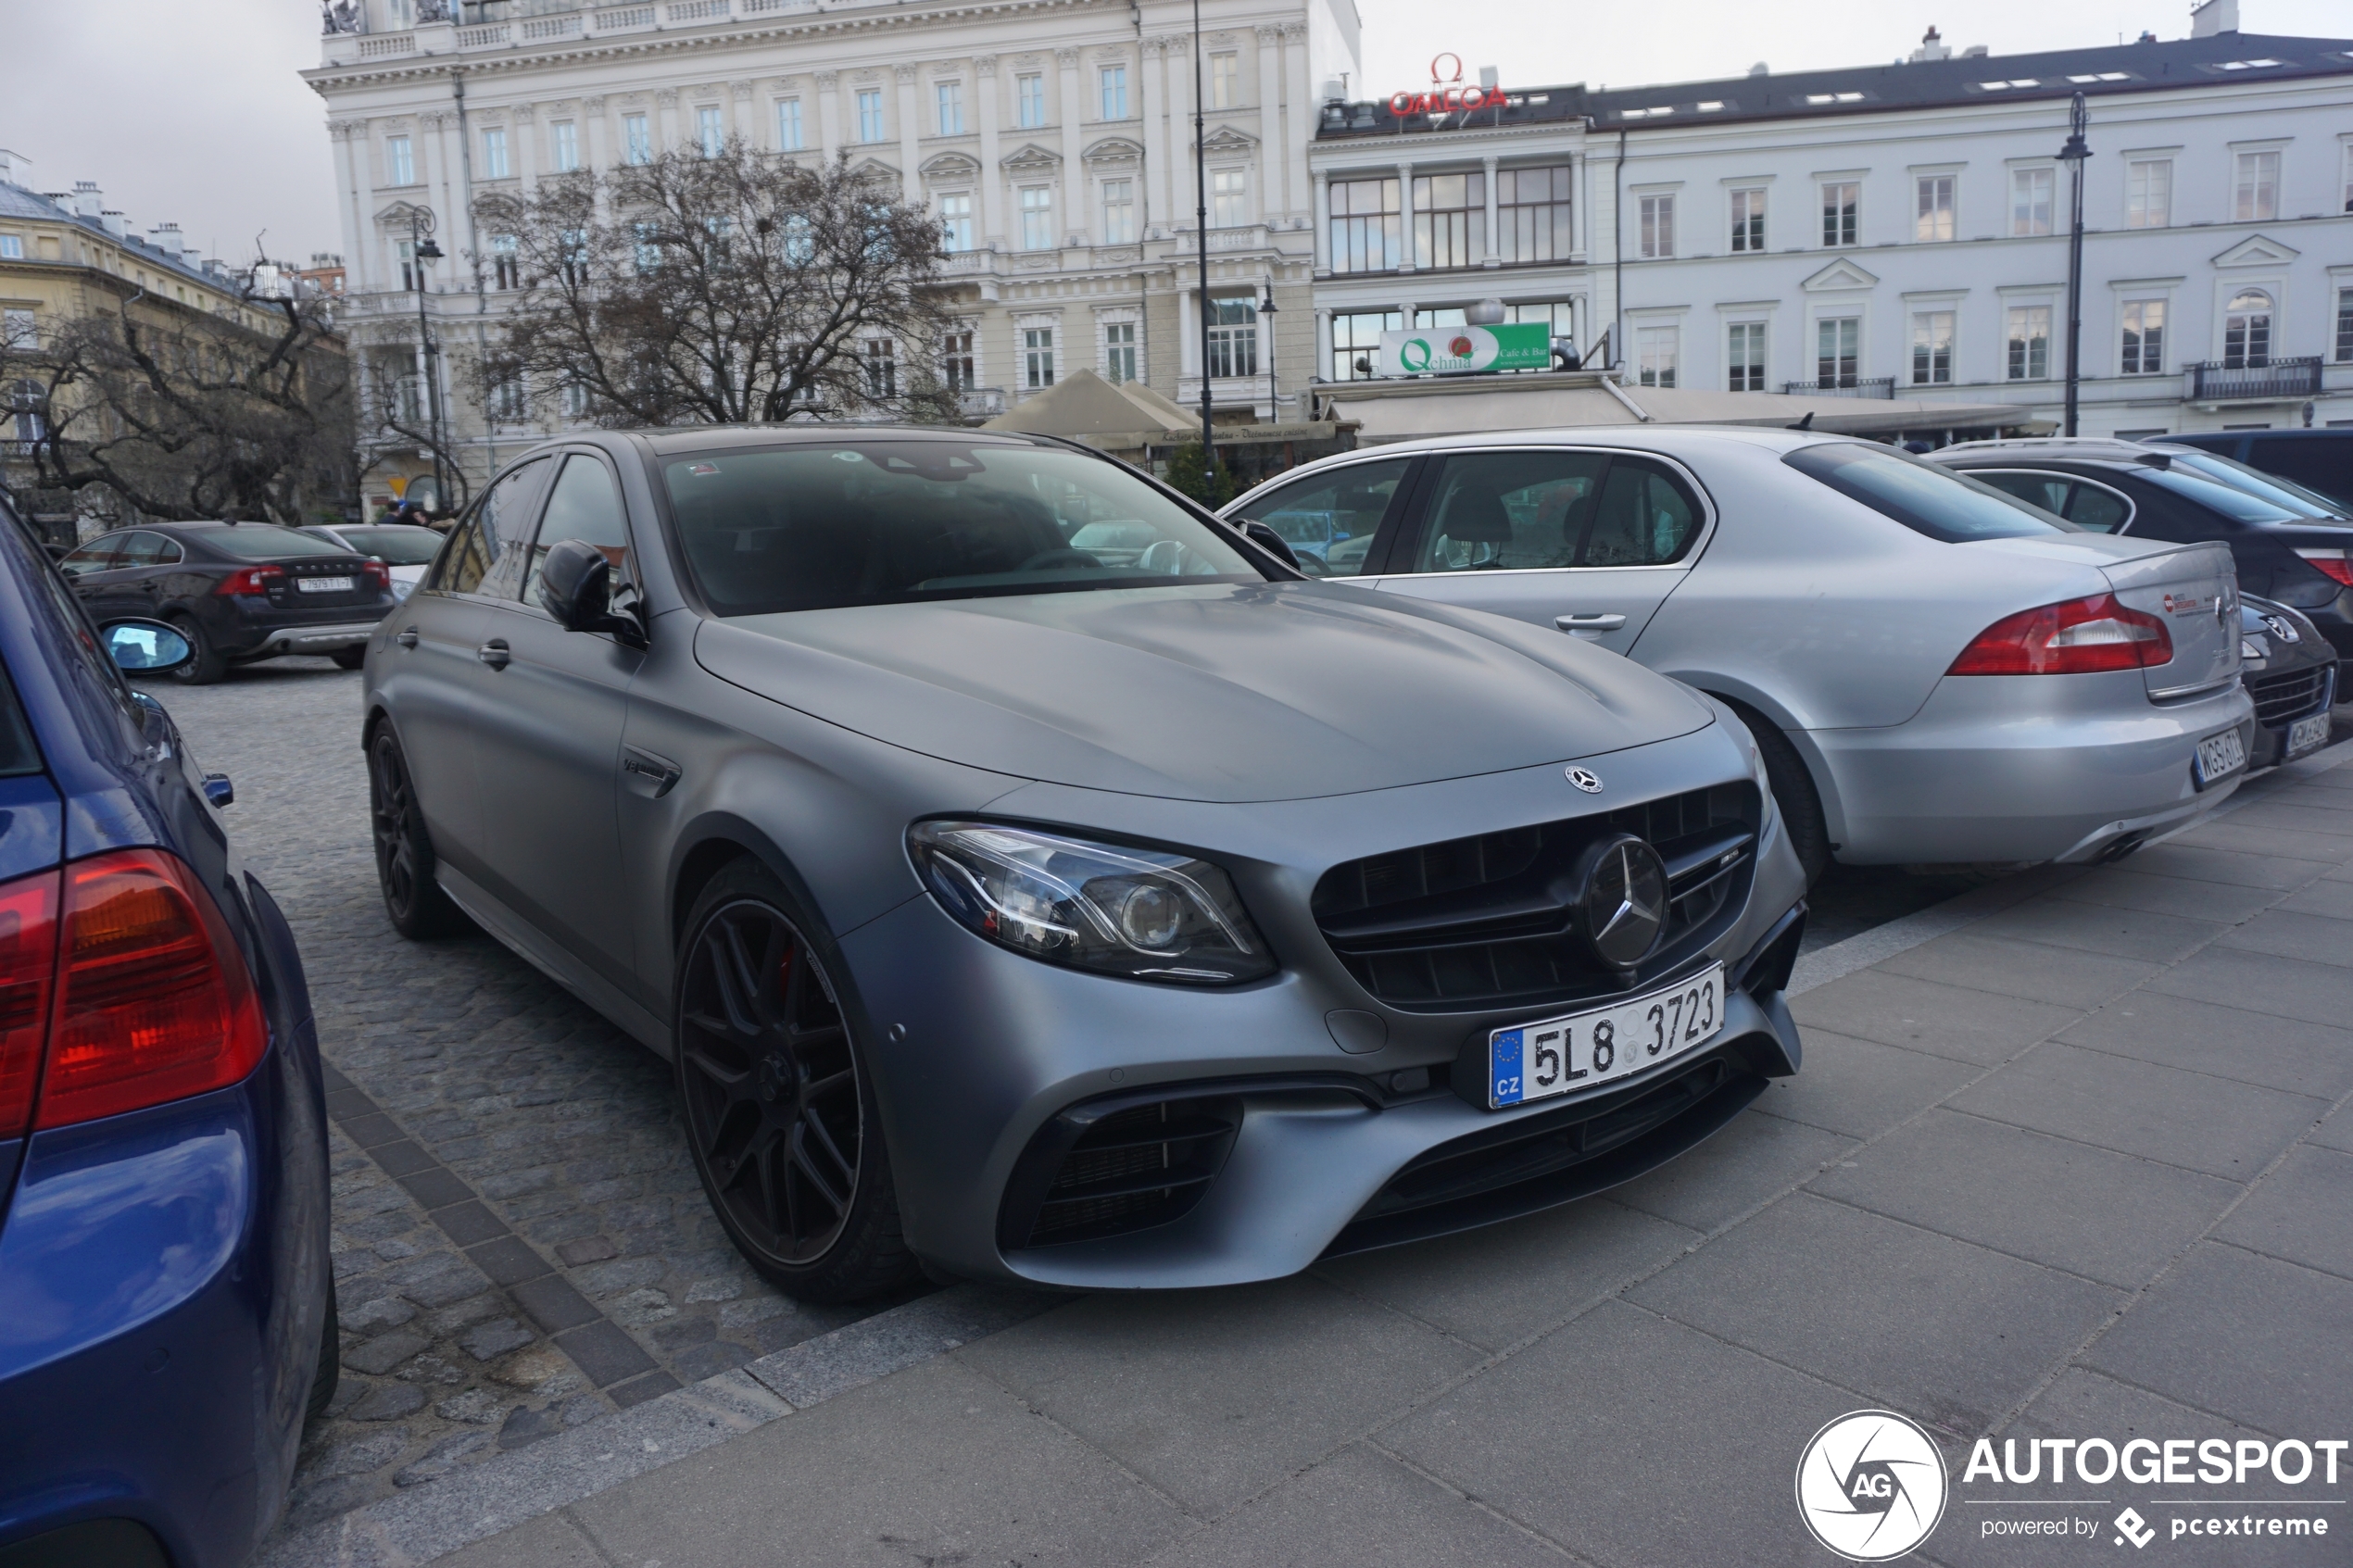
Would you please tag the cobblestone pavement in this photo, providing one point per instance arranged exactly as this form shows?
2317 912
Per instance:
571 1266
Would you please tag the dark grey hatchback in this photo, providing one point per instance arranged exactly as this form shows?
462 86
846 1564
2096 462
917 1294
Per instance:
1030 877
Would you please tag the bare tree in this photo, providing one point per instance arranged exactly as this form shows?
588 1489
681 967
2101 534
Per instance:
182 415
394 420
731 289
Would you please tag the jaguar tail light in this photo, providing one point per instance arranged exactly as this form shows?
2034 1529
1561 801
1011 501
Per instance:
2075 637
252 582
2333 562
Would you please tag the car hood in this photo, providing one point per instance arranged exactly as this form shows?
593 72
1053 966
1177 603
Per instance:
1215 691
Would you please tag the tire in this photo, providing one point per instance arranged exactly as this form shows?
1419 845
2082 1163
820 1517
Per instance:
413 899
1794 792
209 665
350 658
330 1373
780 1110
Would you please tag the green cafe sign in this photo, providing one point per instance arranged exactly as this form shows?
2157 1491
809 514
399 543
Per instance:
1442 351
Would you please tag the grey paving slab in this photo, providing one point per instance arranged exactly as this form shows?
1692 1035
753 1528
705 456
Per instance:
1361 1509
1967 1025
2202 1037
2325 897
2217 1126
2297 933
1216 1395
938 1466
1496 1286
2259 1341
2286 843
2262 983
1751 1160
2335 1132
2129 886
2033 971
2087 1210
2302 1211
549 1541
2299 817
2238 868
1627 1471
1947 1332
2144 934
1860 1087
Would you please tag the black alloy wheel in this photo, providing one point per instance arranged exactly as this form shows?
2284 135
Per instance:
778 1115
418 908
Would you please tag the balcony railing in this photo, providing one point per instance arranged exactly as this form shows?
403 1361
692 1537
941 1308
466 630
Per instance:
1846 387
2281 381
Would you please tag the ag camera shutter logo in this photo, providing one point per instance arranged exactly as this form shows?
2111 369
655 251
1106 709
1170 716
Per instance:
1872 1486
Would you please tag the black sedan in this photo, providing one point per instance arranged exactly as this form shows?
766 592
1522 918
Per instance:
240 592
2291 673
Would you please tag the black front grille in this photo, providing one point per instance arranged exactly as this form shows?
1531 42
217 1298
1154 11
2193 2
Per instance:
1474 923
2288 695
1093 1173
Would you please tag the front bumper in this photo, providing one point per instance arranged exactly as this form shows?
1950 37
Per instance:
2014 769
979 1049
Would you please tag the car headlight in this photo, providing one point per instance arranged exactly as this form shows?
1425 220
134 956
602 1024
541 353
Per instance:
401 589
1141 914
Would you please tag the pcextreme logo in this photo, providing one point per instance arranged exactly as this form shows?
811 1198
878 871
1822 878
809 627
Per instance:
1872 1486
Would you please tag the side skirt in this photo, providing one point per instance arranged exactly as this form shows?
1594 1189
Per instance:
553 961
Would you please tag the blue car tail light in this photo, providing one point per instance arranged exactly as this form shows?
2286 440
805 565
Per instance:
28 967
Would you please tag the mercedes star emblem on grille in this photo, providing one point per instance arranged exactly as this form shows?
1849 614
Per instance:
1586 780
1623 905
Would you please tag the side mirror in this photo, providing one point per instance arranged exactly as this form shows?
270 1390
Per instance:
575 586
147 647
1274 544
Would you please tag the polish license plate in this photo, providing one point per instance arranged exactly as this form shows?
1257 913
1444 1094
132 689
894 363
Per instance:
1538 1060
2307 735
322 585
2218 756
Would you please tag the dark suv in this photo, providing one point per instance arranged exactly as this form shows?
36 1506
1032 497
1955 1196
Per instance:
240 592
2319 459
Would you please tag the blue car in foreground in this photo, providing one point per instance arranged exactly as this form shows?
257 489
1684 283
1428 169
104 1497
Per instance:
165 1315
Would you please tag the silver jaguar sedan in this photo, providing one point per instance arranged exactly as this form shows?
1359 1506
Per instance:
1937 673
1031 877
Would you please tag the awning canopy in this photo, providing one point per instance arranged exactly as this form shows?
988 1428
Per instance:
1084 407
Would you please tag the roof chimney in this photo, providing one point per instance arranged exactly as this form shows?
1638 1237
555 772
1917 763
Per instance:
86 200
1932 47
1974 52
15 168
2214 16
1758 69
114 223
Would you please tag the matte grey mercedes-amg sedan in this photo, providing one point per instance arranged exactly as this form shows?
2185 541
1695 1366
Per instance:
1032 877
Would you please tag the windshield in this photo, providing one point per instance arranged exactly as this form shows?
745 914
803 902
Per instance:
395 546
1926 499
818 526
2284 494
2215 495
264 541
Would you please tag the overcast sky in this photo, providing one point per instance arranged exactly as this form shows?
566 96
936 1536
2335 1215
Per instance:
190 110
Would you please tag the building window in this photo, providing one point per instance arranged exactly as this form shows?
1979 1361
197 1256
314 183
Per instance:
1233 337
709 135
637 137
506 262
2348 176
1038 356
493 154
1356 341
1119 212
1655 351
1745 356
19 329
2144 345
1364 225
2030 343
1029 101
564 138
1119 351
882 368
1037 218
1840 200
400 162
2149 193
411 273
24 405
956 221
1931 348
1228 199
1225 82
1838 342
1115 85
1449 219
1532 211
1748 219
951 107
2247 331
2029 201
1658 227
956 359
788 133
1933 208
506 398
646 250
2256 196
575 400
870 114
2344 326
11 247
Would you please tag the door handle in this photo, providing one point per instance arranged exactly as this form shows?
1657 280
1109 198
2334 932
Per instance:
407 638
1590 623
494 653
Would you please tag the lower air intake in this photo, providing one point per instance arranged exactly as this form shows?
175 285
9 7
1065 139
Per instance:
1114 1167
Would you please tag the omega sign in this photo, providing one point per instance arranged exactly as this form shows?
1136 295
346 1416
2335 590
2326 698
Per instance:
1446 94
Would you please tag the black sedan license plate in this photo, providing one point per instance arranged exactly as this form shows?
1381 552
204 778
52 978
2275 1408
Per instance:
322 585
1538 1060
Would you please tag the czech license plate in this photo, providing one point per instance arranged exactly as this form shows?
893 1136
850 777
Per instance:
1538 1060
2218 756
2307 735
322 585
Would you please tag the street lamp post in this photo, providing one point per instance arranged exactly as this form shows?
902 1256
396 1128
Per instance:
421 250
2072 154
1201 227
1267 311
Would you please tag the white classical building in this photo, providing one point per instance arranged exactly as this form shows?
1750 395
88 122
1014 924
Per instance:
1054 138
1895 230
